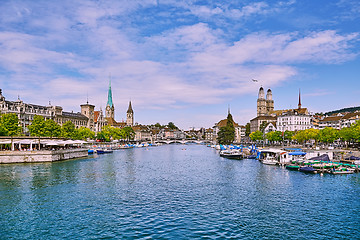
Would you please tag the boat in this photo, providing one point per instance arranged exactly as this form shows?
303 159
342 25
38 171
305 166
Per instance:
251 156
293 167
90 151
273 156
342 171
232 154
308 169
107 150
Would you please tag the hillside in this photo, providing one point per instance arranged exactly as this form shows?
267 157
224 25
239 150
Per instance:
350 109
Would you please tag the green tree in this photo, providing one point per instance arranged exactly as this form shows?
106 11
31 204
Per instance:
85 133
347 135
312 133
288 135
10 124
3 131
51 128
257 135
247 129
263 126
68 130
275 136
300 136
37 127
128 133
328 135
226 134
171 125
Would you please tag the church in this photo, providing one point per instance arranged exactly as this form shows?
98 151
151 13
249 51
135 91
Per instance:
265 110
110 113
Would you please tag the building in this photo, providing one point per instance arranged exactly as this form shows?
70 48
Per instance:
142 133
110 113
26 113
130 116
265 109
239 130
294 119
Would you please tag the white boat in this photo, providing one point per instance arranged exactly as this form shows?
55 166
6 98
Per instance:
273 156
232 154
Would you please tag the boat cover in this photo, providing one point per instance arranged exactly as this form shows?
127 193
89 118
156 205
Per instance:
352 158
323 157
297 153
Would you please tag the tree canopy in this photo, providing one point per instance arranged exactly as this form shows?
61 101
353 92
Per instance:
9 124
226 134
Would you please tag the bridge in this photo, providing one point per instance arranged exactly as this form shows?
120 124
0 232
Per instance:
183 141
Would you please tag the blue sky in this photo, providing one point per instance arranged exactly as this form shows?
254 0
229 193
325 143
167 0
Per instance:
181 61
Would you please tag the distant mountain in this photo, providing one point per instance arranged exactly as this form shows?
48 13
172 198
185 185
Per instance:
350 109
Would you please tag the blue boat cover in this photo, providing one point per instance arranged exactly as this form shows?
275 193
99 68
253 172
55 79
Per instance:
297 153
323 157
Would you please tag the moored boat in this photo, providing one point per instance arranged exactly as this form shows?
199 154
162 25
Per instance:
308 169
293 167
232 154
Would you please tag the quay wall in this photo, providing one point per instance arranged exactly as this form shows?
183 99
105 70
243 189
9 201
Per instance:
41 156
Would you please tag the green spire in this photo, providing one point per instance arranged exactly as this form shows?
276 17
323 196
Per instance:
110 101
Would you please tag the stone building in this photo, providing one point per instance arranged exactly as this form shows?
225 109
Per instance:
26 113
89 118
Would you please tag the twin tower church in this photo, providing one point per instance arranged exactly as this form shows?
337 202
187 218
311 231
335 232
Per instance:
110 113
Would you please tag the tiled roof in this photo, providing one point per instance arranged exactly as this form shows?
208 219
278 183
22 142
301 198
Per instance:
223 123
331 119
96 115
269 118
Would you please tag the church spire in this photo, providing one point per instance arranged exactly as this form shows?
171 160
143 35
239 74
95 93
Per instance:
299 105
110 101
130 110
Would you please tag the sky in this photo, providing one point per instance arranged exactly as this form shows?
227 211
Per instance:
181 61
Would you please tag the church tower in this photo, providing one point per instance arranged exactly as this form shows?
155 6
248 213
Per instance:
269 102
261 103
130 116
88 111
110 110
299 104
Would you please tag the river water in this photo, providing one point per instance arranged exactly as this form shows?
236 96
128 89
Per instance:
174 192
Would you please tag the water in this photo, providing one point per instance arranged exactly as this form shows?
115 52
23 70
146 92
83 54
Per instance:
168 192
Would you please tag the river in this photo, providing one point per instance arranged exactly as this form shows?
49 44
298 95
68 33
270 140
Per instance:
174 192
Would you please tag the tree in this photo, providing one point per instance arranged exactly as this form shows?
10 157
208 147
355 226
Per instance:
347 135
68 130
3 131
85 133
51 128
10 124
226 135
328 135
300 136
37 126
171 125
312 133
128 133
274 136
263 126
257 135
288 135
247 129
